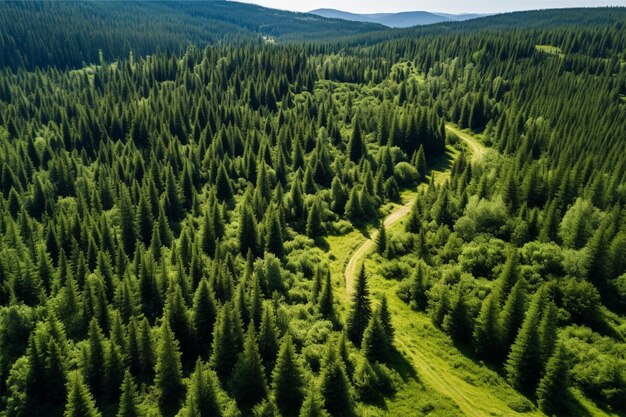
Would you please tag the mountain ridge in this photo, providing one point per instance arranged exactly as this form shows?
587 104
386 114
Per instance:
398 19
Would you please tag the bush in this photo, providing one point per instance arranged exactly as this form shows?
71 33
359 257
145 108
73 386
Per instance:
405 174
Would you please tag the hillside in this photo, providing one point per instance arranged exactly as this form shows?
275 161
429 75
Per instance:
205 211
76 31
395 20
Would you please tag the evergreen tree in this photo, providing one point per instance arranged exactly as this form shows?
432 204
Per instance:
227 342
524 364
314 227
313 405
361 310
203 318
247 234
325 301
201 397
385 319
288 380
552 389
129 404
268 338
248 381
356 145
80 403
274 242
486 328
334 385
381 239
376 343
168 379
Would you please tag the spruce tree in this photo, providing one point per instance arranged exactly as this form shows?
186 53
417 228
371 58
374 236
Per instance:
376 343
356 145
80 403
334 385
248 381
313 405
129 404
274 242
168 379
288 380
314 227
385 319
325 300
486 328
201 399
524 364
247 233
268 338
552 389
227 342
381 239
203 318
361 310
511 317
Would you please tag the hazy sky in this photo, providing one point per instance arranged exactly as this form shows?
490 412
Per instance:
445 6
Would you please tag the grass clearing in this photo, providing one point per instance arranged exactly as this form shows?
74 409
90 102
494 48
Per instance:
551 50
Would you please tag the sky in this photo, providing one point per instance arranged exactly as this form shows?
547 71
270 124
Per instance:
444 6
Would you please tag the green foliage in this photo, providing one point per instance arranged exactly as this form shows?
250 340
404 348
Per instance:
361 310
248 381
168 371
288 380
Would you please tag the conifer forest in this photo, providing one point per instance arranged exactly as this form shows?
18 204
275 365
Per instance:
214 209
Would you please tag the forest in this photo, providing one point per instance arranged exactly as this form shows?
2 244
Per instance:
205 211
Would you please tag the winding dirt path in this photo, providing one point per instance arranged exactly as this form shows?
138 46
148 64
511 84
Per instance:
478 151
467 397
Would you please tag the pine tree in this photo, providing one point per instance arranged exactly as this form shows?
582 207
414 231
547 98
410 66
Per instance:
268 338
486 328
223 185
314 227
552 389
168 379
420 163
381 239
129 404
385 319
274 243
248 381
548 331
313 405
203 318
511 317
128 226
201 397
524 364
457 322
325 300
80 403
95 367
247 234
376 343
145 220
227 342
288 380
361 310
334 385
356 145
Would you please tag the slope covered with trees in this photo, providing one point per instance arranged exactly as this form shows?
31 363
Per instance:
164 214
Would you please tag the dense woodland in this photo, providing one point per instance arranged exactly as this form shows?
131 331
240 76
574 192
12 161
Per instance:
165 201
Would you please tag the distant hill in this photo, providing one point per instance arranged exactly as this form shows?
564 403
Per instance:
118 27
396 20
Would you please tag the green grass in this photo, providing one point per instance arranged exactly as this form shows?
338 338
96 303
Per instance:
549 49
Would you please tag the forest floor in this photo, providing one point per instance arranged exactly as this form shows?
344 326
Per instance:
437 377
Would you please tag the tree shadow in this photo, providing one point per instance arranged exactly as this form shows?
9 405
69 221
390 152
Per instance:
399 363
322 243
